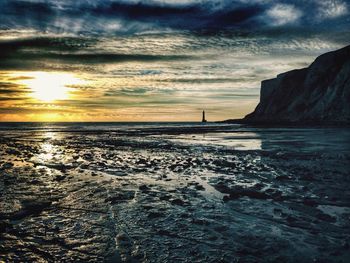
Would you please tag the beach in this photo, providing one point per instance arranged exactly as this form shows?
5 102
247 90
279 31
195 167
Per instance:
173 192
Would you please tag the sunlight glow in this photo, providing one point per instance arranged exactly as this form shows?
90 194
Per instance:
50 86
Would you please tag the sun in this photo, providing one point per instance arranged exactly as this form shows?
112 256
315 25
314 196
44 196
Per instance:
50 86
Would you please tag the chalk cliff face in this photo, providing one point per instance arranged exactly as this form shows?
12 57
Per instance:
317 94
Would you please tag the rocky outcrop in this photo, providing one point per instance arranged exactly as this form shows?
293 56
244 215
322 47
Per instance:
317 94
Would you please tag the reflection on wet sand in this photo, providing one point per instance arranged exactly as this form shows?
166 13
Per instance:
185 193
237 140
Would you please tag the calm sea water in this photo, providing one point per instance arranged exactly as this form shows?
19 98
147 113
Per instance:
107 126
241 137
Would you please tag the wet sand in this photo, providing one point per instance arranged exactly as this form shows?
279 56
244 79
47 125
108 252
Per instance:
211 193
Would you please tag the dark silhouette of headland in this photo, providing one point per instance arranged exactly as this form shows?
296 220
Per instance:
318 94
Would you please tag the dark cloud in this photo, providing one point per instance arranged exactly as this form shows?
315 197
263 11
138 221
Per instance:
11 98
138 92
9 88
46 43
28 52
27 8
107 57
112 16
12 92
27 110
204 80
191 16
60 16
37 52
141 10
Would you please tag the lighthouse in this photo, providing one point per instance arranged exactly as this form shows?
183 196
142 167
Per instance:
203 117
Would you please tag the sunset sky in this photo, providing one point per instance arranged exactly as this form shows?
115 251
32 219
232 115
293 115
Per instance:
155 60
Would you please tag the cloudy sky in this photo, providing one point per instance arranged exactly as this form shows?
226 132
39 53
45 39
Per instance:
138 60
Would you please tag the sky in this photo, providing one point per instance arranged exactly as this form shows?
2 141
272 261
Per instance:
155 60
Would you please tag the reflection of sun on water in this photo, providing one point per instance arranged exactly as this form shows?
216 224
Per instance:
47 152
47 148
50 86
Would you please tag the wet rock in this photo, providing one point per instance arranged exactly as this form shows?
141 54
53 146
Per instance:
308 177
147 207
177 201
221 229
309 202
277 211
13 151
121 197
59 178
144 188
164 232
226 198
199 187
222 188
185 215
153 215
7 179
7 165
124 244
325 217
88 156
101 164
275 194
123 238
59 166
4 226
35 182
212 238
346 245
165 197
291 219
142 162
30 208
201 222
281 178
237 193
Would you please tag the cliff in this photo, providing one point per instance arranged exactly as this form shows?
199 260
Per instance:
317 94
